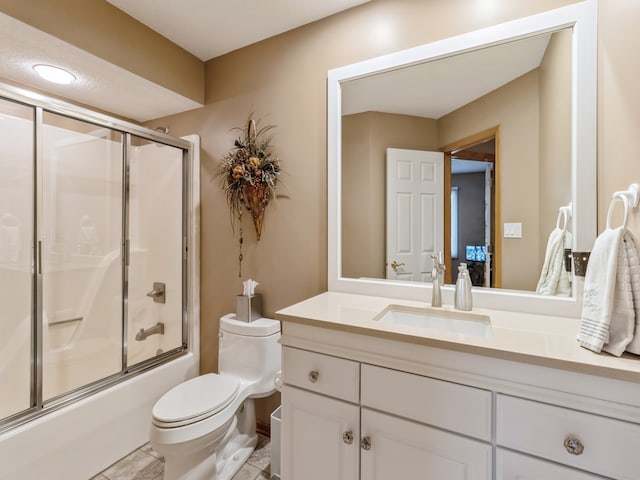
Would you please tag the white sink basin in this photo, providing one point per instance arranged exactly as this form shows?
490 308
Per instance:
436 319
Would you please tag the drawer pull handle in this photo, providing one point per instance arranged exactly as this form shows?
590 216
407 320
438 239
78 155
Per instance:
365 443
313 376
573 446
347 437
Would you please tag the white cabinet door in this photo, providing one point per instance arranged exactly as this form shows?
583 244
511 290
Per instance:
516 466
320 437
400 449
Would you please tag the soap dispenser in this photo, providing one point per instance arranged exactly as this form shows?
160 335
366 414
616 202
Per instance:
463 300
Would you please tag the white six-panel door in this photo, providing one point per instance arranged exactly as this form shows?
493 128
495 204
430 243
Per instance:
415 212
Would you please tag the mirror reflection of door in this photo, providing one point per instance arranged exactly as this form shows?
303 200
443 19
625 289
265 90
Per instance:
470 217
415 212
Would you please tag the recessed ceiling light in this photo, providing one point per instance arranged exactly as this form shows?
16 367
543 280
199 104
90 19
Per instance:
54 74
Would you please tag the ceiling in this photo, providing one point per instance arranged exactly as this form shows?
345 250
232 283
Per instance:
205 28
433 89
210 28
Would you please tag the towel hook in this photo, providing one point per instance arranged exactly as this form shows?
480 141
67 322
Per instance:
629 199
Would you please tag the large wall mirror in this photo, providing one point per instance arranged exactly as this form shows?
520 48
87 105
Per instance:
470 148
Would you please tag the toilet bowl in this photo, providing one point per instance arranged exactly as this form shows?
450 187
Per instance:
206 427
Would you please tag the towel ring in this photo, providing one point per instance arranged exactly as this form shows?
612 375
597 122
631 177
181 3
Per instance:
564 214
625 201
629 199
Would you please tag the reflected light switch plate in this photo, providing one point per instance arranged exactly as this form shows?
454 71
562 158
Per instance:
512 230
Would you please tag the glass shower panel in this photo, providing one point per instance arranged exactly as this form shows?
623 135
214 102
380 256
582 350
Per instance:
16 241
81 253
154 305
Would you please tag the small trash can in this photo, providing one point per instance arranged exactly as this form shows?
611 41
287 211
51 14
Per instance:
276 419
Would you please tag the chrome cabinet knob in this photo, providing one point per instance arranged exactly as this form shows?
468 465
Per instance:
313 376
347 437
573 446
365 443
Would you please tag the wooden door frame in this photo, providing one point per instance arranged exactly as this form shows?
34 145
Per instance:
449 150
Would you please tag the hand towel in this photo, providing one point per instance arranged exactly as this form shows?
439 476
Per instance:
622 321
554 279
599 288
633 256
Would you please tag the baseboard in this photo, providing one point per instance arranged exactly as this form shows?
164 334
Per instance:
263 428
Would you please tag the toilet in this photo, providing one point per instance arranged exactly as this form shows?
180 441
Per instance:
206 427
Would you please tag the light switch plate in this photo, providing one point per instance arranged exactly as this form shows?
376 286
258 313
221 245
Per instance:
512 230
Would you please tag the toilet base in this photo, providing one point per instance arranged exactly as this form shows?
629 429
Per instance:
228 468
218 458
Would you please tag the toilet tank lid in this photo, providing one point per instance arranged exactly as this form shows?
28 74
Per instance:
262 327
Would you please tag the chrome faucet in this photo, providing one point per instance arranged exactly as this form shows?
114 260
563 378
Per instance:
438 268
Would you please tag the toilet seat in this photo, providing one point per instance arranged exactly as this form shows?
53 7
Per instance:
195 400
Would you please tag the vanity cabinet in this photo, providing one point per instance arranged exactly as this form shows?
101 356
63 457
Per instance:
351 420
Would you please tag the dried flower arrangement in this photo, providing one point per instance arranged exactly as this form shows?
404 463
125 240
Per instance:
249 175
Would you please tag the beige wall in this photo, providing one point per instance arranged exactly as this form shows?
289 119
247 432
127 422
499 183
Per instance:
366 137
284 81
555 133
618 102
514 109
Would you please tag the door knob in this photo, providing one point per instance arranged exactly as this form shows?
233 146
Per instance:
395 265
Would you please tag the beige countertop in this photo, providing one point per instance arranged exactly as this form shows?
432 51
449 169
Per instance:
541 340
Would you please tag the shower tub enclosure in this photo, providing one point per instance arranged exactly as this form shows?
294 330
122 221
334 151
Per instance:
98 283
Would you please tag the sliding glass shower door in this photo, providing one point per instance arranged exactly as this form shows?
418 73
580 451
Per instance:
155 232
93 256
81 253
16 240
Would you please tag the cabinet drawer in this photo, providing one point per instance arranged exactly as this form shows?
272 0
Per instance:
331 376
609 447
516 466
436 402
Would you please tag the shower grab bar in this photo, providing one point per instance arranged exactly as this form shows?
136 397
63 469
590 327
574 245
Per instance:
157 329
64 320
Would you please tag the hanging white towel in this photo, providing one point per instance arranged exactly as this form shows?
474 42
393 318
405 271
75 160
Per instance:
633 257
622 313
599 288
611 308
554 279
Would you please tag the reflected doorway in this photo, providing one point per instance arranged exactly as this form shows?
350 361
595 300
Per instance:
471 216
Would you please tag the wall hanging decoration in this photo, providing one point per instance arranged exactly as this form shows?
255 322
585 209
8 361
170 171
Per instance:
249 175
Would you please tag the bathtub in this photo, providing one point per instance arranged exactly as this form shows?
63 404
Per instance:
82 439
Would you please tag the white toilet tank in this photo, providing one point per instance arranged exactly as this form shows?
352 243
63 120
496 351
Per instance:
250 351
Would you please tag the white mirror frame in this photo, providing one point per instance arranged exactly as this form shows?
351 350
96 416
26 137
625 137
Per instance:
583 18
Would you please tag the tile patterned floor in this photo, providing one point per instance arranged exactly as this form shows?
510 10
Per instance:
147 464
